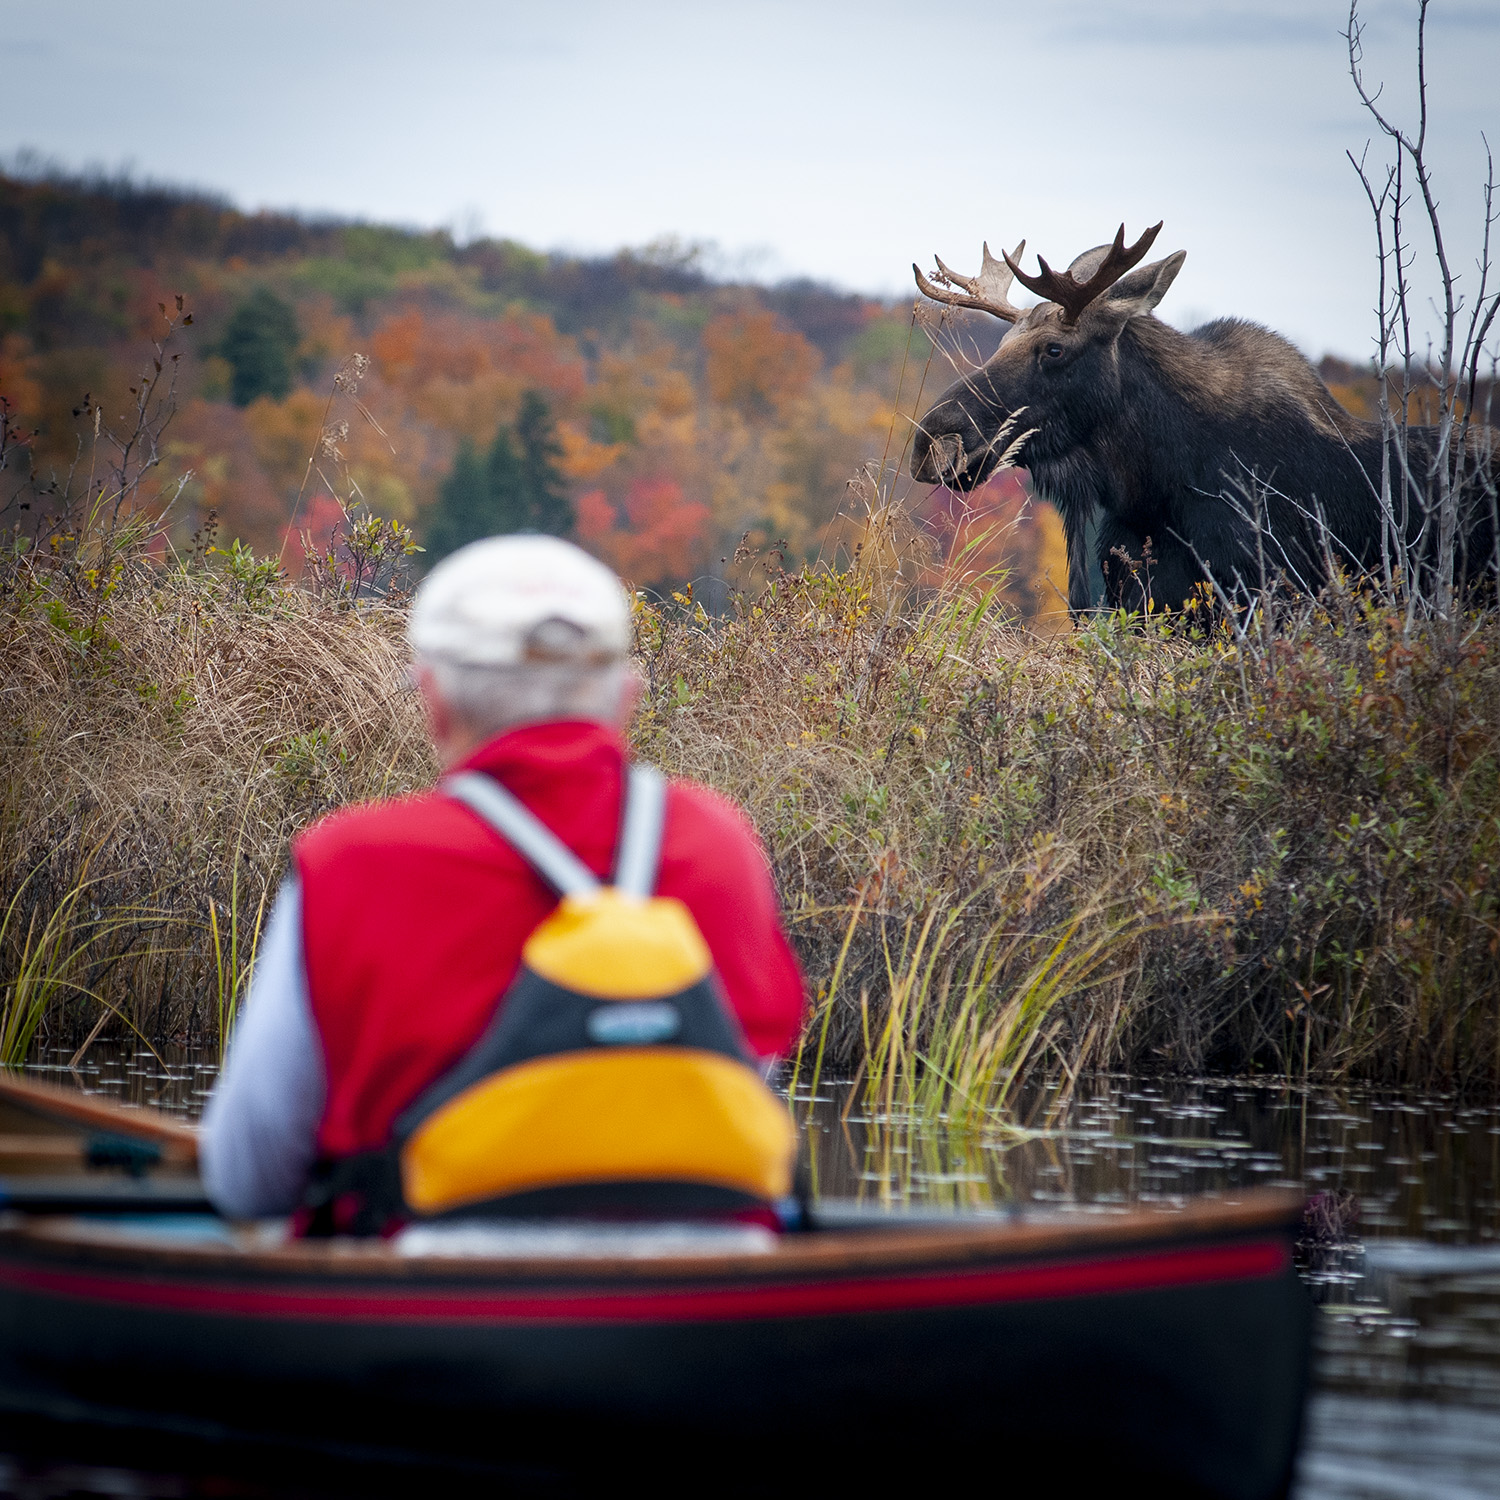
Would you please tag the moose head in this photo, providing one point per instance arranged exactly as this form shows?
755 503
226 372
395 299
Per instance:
1057 371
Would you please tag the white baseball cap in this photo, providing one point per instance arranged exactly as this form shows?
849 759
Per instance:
519 600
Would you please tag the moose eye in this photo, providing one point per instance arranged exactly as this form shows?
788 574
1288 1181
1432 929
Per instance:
1054 351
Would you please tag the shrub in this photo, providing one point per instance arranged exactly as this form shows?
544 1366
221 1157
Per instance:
1168 850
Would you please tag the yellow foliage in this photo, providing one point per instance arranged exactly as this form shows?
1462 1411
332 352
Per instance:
284 433
582 457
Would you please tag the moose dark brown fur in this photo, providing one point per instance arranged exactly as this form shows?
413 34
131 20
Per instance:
1172 456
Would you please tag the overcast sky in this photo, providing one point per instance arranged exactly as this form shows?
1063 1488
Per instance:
832 139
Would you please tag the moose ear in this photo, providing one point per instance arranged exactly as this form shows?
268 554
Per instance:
1087 263
1140 291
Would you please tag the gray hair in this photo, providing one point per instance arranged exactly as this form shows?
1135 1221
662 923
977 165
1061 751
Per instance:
492 699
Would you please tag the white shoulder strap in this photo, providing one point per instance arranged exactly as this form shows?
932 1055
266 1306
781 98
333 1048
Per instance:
523 831
640 831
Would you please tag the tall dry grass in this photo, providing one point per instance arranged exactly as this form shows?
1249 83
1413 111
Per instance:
1000 856
163 737
1141 845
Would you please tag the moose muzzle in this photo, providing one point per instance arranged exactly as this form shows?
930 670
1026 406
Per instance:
938 458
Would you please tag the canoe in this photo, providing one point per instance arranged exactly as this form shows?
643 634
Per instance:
1164 1350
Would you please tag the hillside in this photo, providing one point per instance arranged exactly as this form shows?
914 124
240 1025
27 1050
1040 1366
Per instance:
680 416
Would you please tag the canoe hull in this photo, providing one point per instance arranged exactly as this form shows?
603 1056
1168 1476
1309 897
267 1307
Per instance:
1183 1362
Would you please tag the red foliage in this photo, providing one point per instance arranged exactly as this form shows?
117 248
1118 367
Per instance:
656 536
972 529
320 518
998 528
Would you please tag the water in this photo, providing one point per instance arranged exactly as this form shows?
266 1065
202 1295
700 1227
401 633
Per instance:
1403 1259
1403 1254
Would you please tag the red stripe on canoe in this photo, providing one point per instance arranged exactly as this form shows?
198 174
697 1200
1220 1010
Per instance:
1131 1273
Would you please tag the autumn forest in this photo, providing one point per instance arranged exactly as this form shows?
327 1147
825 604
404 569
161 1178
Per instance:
669 422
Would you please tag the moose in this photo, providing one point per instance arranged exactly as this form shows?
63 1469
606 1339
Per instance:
1216 457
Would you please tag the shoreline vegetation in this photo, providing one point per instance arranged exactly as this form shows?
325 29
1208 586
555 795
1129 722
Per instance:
1264 842
1003 857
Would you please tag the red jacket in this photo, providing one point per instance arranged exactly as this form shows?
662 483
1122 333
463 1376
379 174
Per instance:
414 913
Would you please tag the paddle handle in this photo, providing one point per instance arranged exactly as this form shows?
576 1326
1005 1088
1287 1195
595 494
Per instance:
179 1141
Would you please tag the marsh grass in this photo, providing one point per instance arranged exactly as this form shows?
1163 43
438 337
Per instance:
169 720
234 959
155 772
1002 857
1167 847
60 958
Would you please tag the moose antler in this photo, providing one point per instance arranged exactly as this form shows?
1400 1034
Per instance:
986 291
1073 296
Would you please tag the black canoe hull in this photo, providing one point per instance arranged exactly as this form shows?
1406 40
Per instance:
1179 1361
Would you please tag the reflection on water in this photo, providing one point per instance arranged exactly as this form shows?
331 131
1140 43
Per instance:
1403 1249
176 1079
1403 1257
1422 1168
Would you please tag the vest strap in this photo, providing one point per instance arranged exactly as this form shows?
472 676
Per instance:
523 831
640 832
638 854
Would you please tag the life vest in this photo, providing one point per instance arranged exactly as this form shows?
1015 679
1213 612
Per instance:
613 1079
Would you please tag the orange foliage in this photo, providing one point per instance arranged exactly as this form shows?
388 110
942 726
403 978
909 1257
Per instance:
642 380
582 457
466 375
1355 398
755 364
1423 405
17 381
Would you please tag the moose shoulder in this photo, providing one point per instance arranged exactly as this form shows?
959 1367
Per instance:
1170 456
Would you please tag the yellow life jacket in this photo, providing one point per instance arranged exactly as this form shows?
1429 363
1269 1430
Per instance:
615 1076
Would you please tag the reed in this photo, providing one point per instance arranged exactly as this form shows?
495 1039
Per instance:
47 954
234 960
157 766
62 957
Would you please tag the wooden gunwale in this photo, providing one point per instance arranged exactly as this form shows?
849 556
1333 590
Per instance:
825 1253
43 1148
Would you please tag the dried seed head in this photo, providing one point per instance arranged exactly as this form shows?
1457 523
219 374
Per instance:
351 372
931 315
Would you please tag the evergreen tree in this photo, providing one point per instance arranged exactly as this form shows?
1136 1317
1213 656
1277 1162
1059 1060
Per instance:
510 505
463 510
259 344
516 486
546 492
